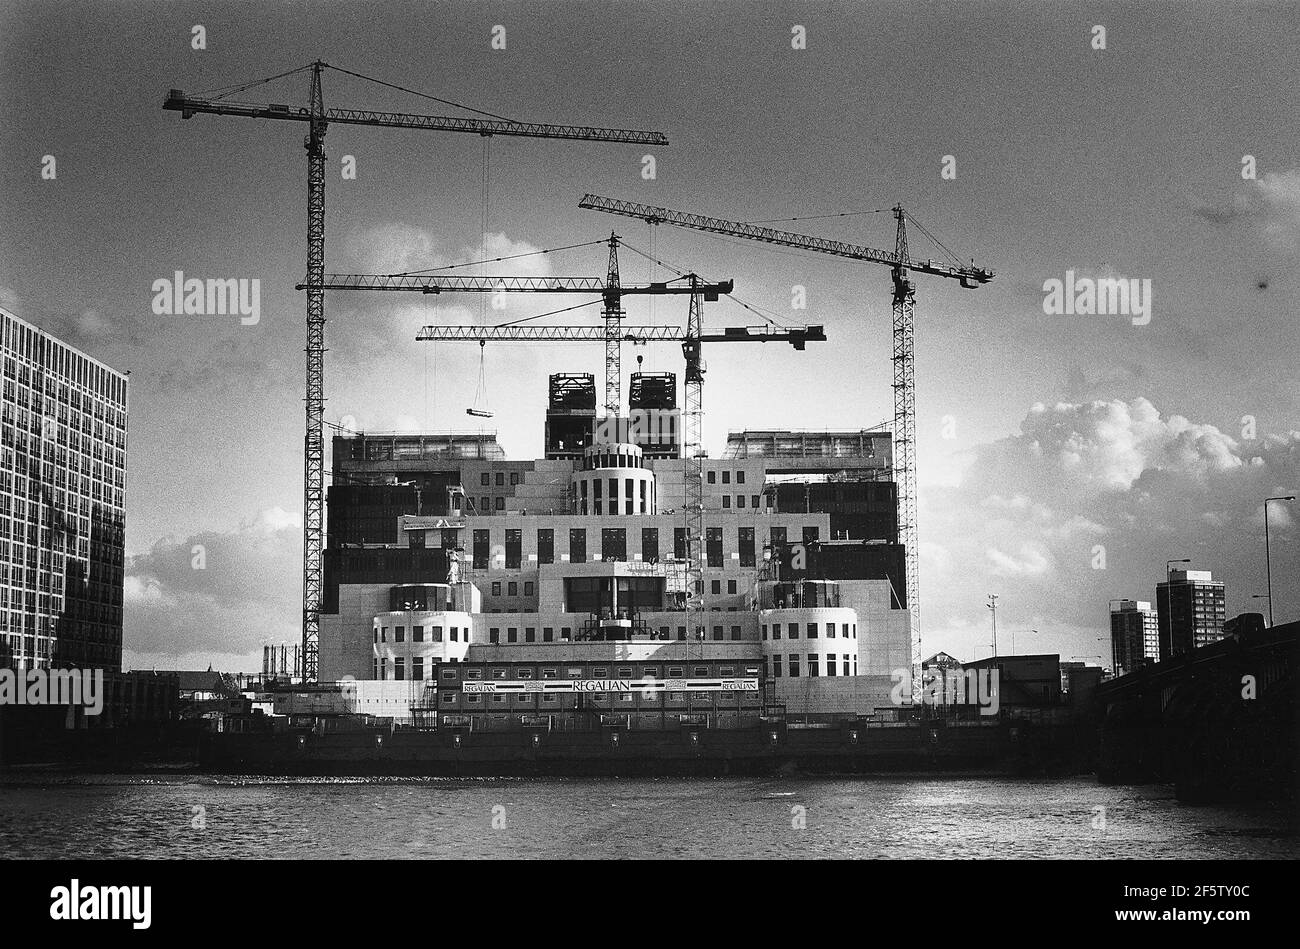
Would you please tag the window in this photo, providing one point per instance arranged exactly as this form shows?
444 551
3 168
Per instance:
765 631
498 673
512 634
740 477
546 546
717 632
776 667
417 634
500 504
549 673
679 543
812 665
453 632
548 634
830 630
776 630
613 543
482 548
845 630
810 534
512 588
528 588
731 587
383 634
496 587
830 664
726 477
494 634
735 632
681 632
794 630
713 543
514 549
514 477
577 545
485 479
435 635
417 668
501 478
812 630
715 587
399 634
524 674
726 500
794 666
753 502
740 500
484 504
650 544
399 669
713 477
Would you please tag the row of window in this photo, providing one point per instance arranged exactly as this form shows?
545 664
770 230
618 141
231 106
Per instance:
849 666
847 631
718 634
486 476
418 634
599 698
712 477
613 543
700 671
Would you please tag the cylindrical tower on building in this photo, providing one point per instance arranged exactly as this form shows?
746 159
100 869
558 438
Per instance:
614 480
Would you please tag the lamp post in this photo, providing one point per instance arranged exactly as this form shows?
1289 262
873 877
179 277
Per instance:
1268 560
993 607
1169 608
1013 637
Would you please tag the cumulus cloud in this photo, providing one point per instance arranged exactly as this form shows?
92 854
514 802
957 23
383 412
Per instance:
1086 503
215 594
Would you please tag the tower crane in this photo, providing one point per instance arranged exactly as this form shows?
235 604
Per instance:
611 289
319 119
903 303
613 333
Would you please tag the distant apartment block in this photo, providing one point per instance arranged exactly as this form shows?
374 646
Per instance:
1192 609
62 490
1134 635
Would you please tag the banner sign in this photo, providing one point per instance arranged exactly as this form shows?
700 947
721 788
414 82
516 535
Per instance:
603 686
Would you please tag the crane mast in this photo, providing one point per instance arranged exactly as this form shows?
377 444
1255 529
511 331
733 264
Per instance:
903 313
319 119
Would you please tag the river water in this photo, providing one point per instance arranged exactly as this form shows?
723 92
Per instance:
113 817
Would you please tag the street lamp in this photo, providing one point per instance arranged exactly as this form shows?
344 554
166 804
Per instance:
1013 637
1268 560
993 606
1169 609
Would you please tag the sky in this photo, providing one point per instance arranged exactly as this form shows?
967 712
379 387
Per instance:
1063 457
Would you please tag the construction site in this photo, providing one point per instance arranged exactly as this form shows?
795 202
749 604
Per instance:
625 581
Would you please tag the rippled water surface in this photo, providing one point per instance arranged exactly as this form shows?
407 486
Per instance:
114 817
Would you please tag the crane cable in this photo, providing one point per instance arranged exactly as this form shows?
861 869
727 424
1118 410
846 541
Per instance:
757 311
475 263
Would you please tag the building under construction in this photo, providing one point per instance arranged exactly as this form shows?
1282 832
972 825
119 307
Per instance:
496 591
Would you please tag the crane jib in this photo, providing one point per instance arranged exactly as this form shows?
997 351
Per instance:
177 101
